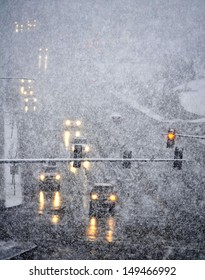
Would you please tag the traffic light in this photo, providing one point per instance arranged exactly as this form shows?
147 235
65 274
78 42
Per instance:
78 149
14 169
178 154
127 163
171 138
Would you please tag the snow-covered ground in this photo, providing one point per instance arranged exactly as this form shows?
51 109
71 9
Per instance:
11 249
12 186
192 96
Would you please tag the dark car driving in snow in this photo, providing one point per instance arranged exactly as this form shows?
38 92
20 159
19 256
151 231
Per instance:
30 104
103 199
50 178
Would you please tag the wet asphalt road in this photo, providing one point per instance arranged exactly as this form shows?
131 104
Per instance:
131 233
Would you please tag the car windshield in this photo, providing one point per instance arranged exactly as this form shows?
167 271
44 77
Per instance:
50 169
103 189
80 141
116 116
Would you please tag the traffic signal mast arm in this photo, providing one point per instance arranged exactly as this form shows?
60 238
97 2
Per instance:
187 135
67 160
16 78
191 136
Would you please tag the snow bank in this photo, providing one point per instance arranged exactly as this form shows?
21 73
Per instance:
192 96
12 189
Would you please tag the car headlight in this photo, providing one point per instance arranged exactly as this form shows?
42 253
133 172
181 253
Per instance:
68 123
78 123
112 197
42 177
94 196
26 99
58 176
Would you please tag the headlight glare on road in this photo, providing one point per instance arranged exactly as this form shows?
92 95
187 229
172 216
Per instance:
22 89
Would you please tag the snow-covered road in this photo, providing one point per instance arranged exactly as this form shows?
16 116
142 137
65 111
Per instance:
93 70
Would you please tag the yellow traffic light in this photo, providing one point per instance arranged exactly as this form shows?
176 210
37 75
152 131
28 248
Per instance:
171 136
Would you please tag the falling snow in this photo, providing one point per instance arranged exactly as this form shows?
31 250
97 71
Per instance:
127 71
